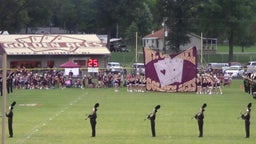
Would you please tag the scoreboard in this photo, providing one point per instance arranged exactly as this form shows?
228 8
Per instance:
93 65
93 62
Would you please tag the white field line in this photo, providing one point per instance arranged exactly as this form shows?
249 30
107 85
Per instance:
38 127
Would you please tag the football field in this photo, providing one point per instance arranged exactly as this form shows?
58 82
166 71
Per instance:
57 116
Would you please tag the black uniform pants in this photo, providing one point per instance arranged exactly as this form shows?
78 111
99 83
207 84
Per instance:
1 89
93 125
153 131
10 129
9 87
200 127
247 128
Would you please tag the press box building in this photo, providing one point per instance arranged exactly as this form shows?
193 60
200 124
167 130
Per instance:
52 50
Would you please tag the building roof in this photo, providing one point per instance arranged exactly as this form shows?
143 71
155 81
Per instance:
82 44
160 34
157 34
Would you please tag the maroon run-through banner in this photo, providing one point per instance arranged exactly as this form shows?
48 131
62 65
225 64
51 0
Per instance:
171 72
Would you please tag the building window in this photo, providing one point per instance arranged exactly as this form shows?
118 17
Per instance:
80 62
50 64
210 43
26 64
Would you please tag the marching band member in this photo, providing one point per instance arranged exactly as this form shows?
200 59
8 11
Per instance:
93 117
200 119
152 118
246 117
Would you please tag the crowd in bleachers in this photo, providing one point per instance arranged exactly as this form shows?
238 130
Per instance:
21 78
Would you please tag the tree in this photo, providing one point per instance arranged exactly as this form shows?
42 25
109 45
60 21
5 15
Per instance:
87 17
178 14
226 18
247 35
113 17
68 15
13 16
157 18
144 20
39 12
130 33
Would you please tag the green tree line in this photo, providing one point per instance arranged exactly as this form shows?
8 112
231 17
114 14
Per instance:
231 20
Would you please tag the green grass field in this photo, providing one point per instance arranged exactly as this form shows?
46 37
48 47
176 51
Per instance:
58 116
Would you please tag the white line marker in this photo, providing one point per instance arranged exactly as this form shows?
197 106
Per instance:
39 126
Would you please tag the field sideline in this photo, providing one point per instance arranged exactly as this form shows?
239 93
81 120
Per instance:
58 116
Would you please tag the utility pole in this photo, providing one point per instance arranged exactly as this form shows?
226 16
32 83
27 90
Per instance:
136 51
201 48
117 30
165 33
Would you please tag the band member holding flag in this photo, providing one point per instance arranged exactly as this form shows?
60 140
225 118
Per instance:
9 115
246 117
93 117
152 117
200 119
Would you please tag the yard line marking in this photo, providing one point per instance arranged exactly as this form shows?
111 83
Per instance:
42 124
